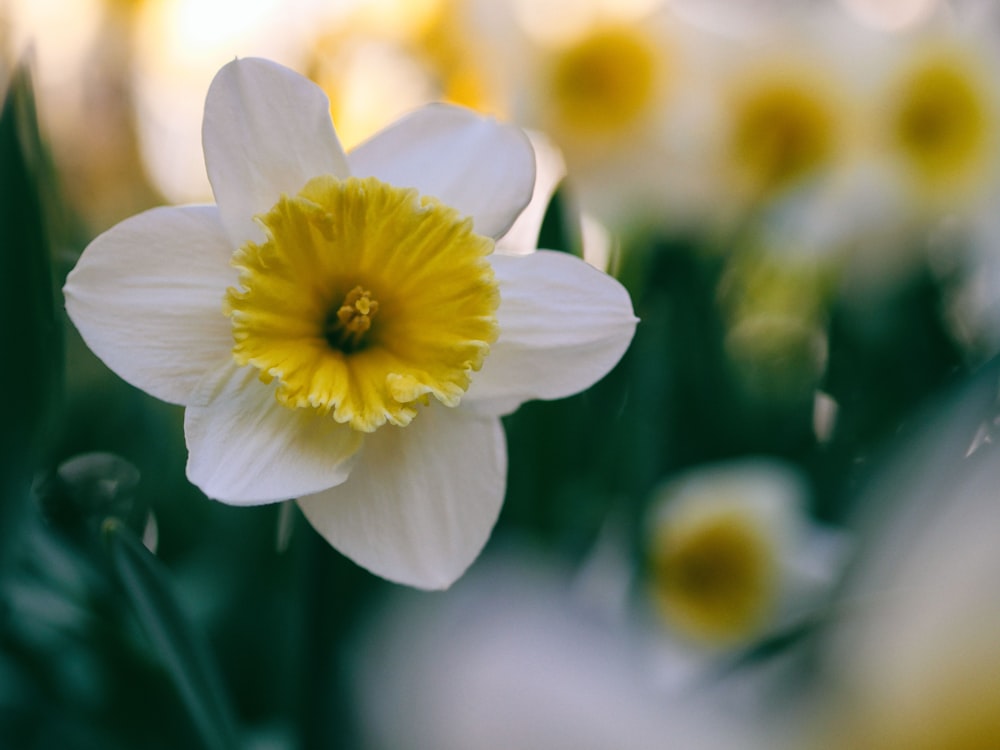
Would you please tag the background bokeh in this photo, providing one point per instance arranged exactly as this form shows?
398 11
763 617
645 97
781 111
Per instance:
773 524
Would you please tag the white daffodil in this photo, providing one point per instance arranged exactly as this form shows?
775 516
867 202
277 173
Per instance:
785 120
620 90
508 659
732 552
933 120
337 325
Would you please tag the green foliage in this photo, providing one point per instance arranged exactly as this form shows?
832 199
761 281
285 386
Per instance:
184 653
30 331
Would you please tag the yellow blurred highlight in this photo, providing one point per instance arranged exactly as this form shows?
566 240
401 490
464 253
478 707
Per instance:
714 575
786 124
389 57
603 82
179 45
941 120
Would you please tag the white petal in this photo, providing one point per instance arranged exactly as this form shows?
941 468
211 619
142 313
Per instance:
422 500
267 131
147 298
480 167
563 326
245 448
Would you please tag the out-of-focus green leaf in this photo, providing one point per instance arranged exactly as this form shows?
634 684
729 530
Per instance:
560 228
30 333
183 651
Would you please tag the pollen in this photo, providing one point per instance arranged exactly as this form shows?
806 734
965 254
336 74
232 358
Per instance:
364 302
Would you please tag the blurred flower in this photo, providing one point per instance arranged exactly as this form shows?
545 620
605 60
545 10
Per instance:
786 118
726 552
603 83
359 304
508 660
615 88
775 305
913 660
938 119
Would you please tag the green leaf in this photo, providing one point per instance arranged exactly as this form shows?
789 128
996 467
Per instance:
560 228
182 649
30 331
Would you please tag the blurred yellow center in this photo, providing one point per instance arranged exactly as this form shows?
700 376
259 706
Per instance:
940 120
782 131
603 82
714 577
364 301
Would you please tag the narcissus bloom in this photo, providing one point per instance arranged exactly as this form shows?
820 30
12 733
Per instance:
730 547
337 325
940 108
786 122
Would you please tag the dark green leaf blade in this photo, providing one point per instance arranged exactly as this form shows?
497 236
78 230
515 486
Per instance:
30 331
183 650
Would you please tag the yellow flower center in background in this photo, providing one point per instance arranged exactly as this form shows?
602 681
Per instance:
940 121
714 577
364 300
782 130
603 83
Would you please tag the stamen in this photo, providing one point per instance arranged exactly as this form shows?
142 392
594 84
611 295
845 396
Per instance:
346 327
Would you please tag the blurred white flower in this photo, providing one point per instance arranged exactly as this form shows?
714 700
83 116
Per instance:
912 657
786 116
732 553
507 660
328 300
935 119
616 88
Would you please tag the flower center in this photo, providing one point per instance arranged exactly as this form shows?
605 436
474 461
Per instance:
346 327
940 122
364 301
714 578
604 82
782 130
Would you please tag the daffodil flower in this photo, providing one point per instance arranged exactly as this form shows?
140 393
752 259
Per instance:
733 553
337 325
